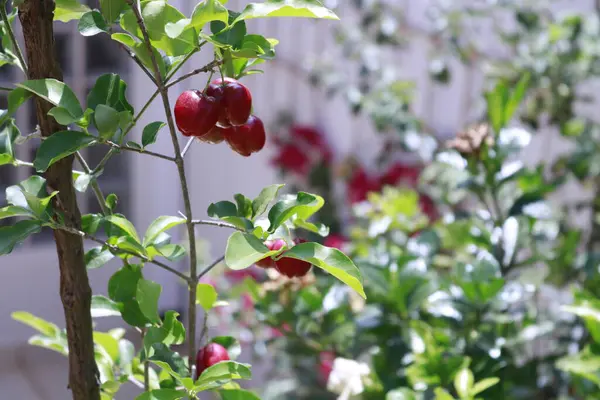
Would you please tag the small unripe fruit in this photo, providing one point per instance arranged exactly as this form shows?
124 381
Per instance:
234 99
195 113
210 355
268 262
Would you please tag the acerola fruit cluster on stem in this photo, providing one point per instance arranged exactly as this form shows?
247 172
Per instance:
222 112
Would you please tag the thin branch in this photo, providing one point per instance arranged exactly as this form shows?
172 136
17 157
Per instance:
119 250
5 89
217 223
164 93
94 184
207 68
138 62
13 39
185 59
210 267
146 367
140 151
188 145
135 382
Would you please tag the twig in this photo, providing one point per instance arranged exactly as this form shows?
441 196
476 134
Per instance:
138 62
207 68
210 267
188 145
117 249
94 184
135 382
204 328
146 367
140 151
13 39
184 186
5 89
217 223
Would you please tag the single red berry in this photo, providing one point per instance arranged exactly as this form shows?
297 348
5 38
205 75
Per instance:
292 267
236 141
254 135
268 262
214 136
210 355
195 113
235 101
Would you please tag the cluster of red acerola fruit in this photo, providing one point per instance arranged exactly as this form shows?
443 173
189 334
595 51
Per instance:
221 112
287 266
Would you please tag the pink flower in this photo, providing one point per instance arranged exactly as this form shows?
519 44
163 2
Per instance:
326 359
335 241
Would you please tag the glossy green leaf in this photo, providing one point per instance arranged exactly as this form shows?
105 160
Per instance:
584 364
442 394
8 135
287 8
109 344
55 92
516 97
111 201
58 344
330 260
206 296
141 51
172 252
67 10
483 385
122 286
162 394
160 225
151 132
31 194
112 9
92 23
463 382
14 211
266 196
106 120
97 257
244 206
238 394
222 209
125 225
302 207
104 307
170 332
221 372
496 102
12 235
44 327
234 349
232 35
256 46
147 296
62 116
109 90
16 98
207 11
60 145
161 355
244 249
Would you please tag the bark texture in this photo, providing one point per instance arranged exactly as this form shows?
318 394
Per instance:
36 18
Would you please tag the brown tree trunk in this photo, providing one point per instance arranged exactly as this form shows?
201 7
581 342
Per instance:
37 21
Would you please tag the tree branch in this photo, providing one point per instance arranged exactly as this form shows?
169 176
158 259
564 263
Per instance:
210 267
139 151
94 183
207 68
184 186
13 39
220 224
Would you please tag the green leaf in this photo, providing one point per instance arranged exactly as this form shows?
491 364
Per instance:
238 394
287 8
303 206
234 349
8 135
111 201
171 332
31 194
207 11
15 211
106 120
112 9
44 327
125 225
58 344
122 286
147 296
206 296
256 46
141 51
97 257
62 116
330 260
590 313
92 23
12 235
483 385
172 252
160 225
60 145
55 92
266 196
16 98
150 133
442 394
108 343
516 97
164 357
401 394
221 372
67 10
162 394
244 249
109 90
222 209
463 382
584 364
244 206
496 102
232 35
104 307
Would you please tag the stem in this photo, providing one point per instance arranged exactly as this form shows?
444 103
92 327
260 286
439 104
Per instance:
116 146
208 67
5 89
138 62
94 183
184 187
188 145
146 368
13 39
210 267
216 223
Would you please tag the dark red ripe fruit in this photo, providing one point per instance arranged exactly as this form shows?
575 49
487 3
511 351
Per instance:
254 135
209 355
234 99
195 113
268 262
291 267
214 136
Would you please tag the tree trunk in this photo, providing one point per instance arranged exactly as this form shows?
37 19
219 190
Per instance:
37 21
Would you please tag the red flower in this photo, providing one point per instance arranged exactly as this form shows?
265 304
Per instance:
326 359
360 184
428 207
399 172
293 159
313 138
335 241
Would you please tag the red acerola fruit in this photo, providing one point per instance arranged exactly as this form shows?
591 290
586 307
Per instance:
248 138
235 101
268 262
210 355
195 113
292 267
214 136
